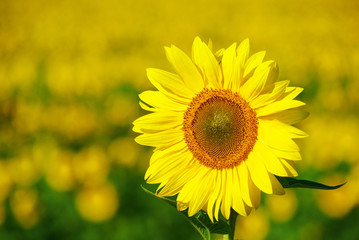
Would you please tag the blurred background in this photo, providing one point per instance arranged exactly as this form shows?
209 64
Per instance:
70 73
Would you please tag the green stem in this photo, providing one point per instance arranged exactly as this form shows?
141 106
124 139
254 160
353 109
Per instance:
216 236
232 223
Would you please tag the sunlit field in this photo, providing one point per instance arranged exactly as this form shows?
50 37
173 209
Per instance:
70 75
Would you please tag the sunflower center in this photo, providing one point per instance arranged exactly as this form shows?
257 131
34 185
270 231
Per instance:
216 125
220 128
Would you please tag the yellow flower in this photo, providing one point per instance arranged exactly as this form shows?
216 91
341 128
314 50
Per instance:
342 201
25 207
221 129
97 203
282 208
254 227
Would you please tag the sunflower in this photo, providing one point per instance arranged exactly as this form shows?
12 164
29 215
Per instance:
221 128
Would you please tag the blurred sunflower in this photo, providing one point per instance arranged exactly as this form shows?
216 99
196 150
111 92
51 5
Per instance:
221 129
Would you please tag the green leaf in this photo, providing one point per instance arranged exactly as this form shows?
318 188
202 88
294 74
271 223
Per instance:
289 182
169 201
220 228
199 221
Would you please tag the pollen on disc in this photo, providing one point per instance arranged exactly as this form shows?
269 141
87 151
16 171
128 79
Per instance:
220 128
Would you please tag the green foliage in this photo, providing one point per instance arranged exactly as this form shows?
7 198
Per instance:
199 221
210 230
289 182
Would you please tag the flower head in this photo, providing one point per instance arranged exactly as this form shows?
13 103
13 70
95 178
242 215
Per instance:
221 129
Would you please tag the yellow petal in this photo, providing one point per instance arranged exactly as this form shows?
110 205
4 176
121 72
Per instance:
250 193
215 194
179 179
170 84
292 92
279 140
289 165
196 191
201 191
221 193
181 206
278 107
186 193
185 68
238 205
237 79
292 131
253 62
227 196
277 188
290 116
243 53
259 173
270 160
228 59
160 139
159 100
166 167
147 108
161 186
220 52
159 154
283 128
264 180
207 63
257 82
272 78
210 44
239 63
158 121
265 99
294 156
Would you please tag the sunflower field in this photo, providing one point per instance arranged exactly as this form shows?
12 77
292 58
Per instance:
70 75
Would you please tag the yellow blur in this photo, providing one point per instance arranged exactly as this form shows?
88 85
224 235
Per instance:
67 67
